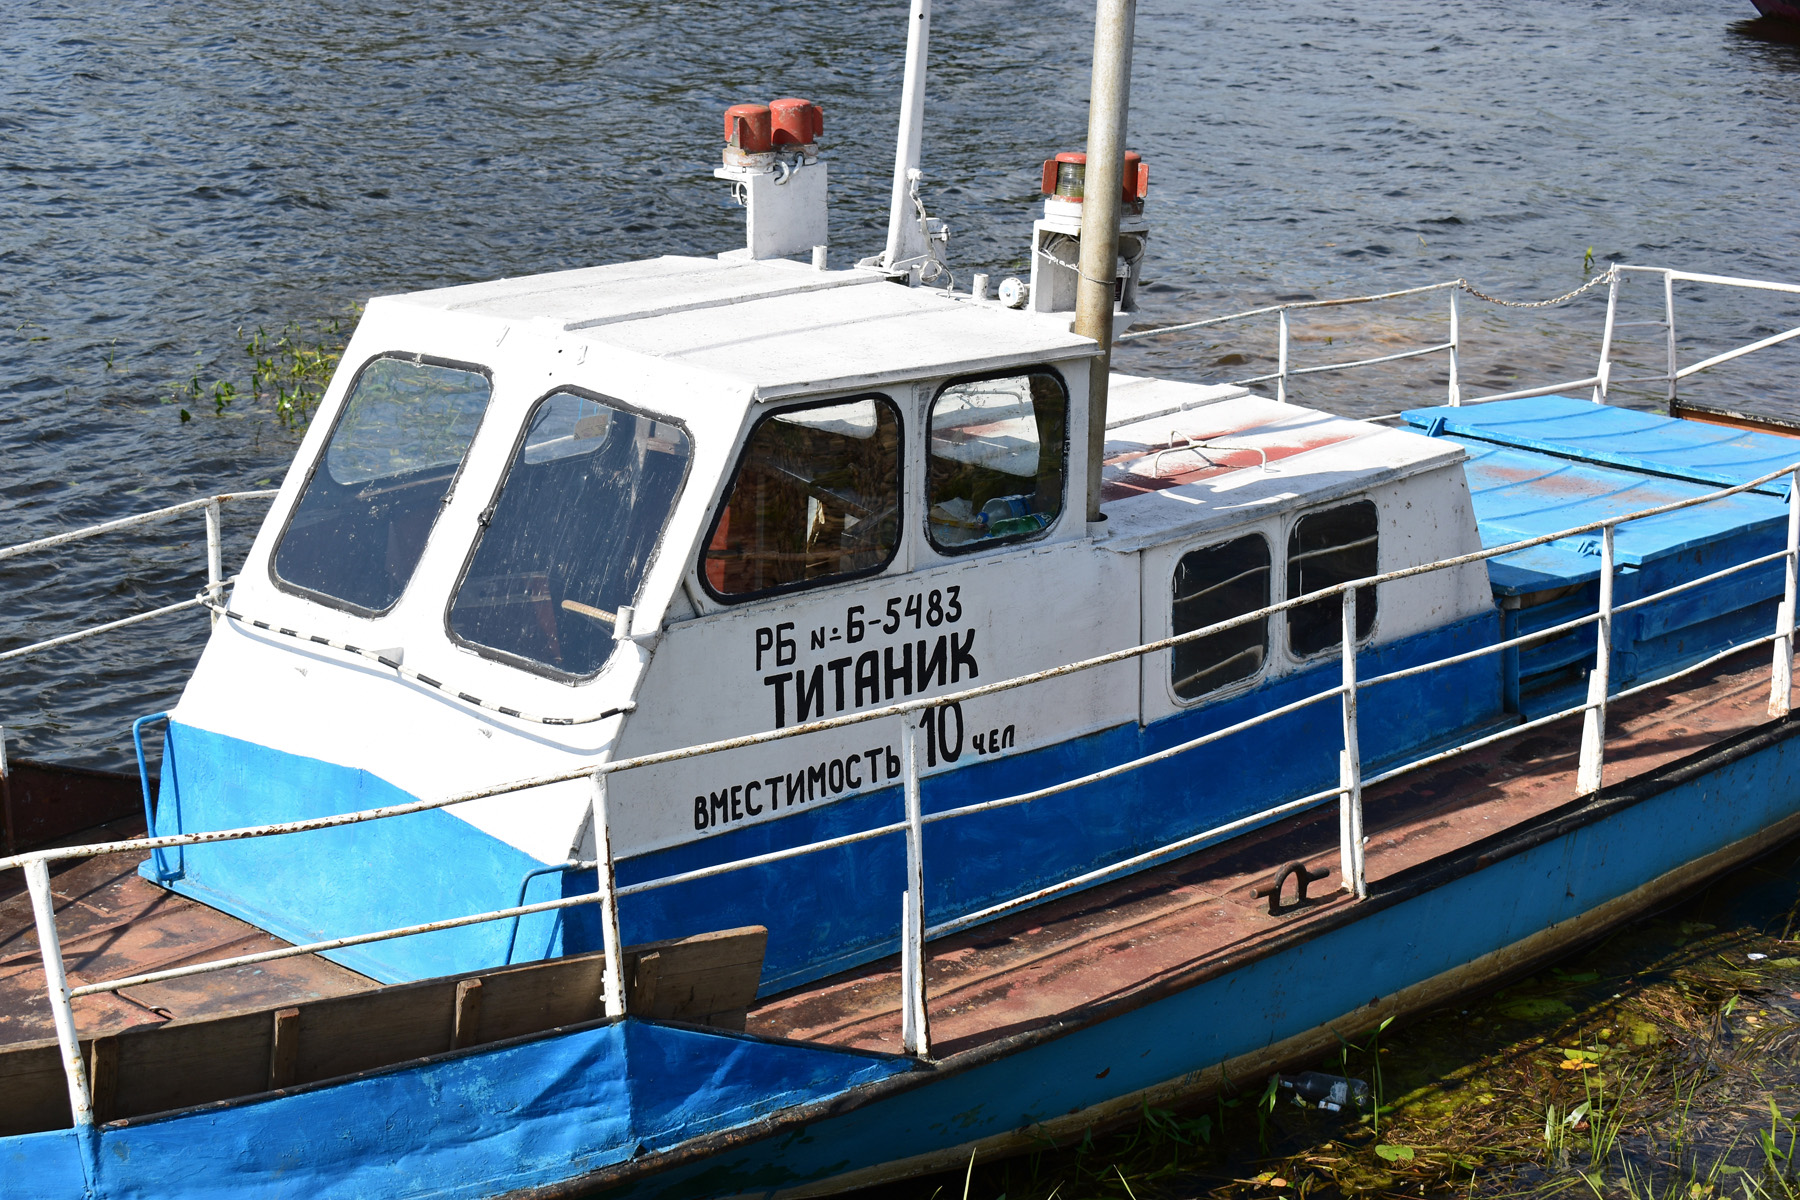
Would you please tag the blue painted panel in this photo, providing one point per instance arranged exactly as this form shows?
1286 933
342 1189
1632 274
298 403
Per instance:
355 879
823 912
471 1126
1625 437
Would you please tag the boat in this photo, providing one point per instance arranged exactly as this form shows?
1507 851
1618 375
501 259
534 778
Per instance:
732 726
1778 10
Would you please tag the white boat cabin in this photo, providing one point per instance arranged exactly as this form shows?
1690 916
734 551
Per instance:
728 496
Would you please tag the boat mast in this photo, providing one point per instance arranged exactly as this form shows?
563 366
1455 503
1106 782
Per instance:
905 240
1109 99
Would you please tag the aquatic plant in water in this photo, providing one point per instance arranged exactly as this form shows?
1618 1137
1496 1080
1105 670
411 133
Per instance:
289 370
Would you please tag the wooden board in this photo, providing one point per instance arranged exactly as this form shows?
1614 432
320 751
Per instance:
709 979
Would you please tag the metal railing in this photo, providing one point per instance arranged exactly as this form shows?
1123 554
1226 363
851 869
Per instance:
1600 381
215 580
915 931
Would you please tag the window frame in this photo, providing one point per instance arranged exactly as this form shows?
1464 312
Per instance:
723 498
423 360
925 500
1288 531
1270 624
531 665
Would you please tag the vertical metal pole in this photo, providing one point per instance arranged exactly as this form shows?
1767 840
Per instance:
1455 349
915 1023
1103 183
56 983
1604 370
1281 359
1593 729
6 805
1669 320
612 984
905 239
215 570
1350 814
1781 679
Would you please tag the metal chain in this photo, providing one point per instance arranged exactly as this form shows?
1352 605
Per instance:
1604 277
207 601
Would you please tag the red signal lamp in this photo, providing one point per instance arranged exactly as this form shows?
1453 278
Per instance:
1065 178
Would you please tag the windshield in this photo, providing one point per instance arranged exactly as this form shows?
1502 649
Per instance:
571 534
362 522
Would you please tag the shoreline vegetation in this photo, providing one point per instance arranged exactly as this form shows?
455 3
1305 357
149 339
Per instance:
1661 1064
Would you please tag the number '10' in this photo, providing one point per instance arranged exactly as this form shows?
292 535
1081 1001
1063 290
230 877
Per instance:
939 741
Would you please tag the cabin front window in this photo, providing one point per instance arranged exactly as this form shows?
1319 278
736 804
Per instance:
999 451
566 542
816 498
1331 546
367 510
1213 584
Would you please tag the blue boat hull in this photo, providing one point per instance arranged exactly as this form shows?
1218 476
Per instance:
663 1111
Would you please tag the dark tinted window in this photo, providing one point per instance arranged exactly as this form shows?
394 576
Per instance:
1329 547
571 534
361 524
816 498
1214 584
999 448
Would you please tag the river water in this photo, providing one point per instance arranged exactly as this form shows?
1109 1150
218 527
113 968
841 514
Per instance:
177 174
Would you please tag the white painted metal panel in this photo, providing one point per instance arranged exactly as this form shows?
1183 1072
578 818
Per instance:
855 646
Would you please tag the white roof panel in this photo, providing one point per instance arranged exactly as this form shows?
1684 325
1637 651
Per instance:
1223 460
780 326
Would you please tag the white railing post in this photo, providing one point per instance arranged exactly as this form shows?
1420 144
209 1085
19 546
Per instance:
1281 359
1604 370
1781 678
1593 729
1350 814
6 811
1455 350
1669 321
915 1023
215 569
612 984
56 984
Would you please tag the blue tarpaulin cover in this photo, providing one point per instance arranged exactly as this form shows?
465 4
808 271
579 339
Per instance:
1621 437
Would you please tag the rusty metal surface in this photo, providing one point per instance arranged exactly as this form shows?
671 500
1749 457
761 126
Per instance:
49 803
1041 966
114 922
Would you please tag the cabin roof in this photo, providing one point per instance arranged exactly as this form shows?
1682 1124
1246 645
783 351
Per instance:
1186 458
779 326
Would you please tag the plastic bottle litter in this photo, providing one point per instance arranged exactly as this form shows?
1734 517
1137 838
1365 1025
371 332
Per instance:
1331 1092
1004 508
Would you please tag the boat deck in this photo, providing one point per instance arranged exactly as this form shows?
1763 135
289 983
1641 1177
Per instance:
1145 933
1140 935
113 923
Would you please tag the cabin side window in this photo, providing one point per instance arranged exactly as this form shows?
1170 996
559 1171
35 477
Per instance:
362 521
571 533
1332 546
815 499
1213 584
999 452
